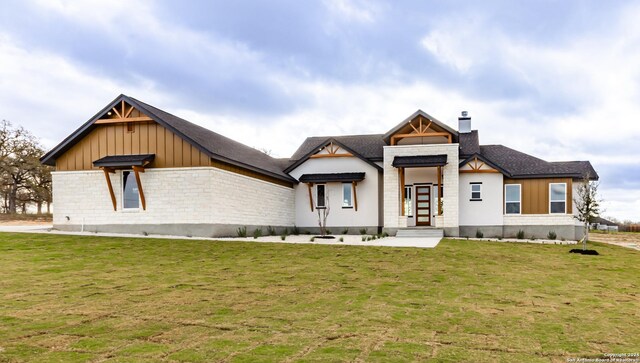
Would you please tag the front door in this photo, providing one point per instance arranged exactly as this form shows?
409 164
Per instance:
423 205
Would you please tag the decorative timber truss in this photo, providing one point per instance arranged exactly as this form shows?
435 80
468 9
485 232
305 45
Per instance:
420 126
331 150
123 113
476 165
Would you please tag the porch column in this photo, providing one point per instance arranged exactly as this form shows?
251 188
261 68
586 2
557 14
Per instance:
439 190
402 192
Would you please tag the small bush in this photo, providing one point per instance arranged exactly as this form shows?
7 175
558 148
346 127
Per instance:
385 234
286 231
341 239
295 230
312 239
242 232
520 234
368 238
345 231
479 233
364 238
363 231
257 233
283 237
552 235
145 233
328 231
271 231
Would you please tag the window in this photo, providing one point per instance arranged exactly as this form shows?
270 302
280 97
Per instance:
320 196
130 194
476 191
557 198
408 201
512 198
346 195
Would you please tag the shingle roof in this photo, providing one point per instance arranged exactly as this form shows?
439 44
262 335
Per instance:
419 161
216 146
124 160
368 146
469 143
521 165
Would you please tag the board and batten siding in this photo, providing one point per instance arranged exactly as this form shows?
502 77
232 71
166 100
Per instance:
146 138
535 194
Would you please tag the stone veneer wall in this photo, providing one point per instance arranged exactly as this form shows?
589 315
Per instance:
392 218
202 201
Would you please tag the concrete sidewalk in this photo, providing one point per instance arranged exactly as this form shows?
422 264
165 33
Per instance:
350 240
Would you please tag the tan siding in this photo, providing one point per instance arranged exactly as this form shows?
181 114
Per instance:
535 194
147 138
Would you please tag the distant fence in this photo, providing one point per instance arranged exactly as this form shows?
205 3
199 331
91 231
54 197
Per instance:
630 228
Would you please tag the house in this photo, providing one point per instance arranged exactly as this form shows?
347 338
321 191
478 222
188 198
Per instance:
134 168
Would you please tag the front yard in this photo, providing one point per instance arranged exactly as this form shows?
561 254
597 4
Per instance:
65 298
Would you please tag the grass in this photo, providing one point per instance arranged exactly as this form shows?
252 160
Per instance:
71 298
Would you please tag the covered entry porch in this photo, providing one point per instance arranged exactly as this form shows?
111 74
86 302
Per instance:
420 189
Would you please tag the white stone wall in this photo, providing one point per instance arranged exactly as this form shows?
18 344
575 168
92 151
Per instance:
368 194
449 181
173 196
539 220
489 210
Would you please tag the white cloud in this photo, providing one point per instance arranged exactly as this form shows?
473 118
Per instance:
360 11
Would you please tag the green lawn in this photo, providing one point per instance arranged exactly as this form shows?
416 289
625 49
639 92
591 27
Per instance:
65 298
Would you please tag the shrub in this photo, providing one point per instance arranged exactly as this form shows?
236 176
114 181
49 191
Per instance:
295 230
328 231
552 235
271 231
283 237
242 232
364 238
363 231
145 233
520 234
345 231
257 233
479 233
385 234
286 231
369 238
341 239
312 239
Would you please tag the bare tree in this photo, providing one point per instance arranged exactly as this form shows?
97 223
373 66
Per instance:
323 213
587 205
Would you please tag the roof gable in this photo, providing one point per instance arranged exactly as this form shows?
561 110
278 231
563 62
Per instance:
325 145
414 125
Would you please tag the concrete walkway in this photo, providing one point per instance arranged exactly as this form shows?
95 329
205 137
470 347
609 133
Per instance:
351 240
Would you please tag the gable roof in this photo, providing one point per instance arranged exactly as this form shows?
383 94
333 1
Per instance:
516 164
406 121
214 145
366 147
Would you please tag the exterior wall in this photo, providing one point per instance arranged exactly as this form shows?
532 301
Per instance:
204 196
489 210
392 217
147 138
368 193
535 194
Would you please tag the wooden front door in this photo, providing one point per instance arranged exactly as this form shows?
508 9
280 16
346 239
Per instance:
423 205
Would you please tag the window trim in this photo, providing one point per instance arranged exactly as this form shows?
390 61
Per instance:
350 185
472 184
324 201
558 201
519 199
130 175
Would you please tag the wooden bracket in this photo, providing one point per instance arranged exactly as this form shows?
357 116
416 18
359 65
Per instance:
309 186
137 170
107 171
355 195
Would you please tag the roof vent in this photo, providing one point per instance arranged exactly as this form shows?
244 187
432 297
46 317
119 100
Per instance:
464 122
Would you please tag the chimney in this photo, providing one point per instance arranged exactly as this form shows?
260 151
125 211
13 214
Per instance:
464 122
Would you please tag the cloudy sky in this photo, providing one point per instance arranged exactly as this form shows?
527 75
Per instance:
556 79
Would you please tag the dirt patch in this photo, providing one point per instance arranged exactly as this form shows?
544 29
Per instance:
625 239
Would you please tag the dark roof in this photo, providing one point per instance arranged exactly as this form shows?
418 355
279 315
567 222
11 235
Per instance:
520 165
366 147
331 177
116 161
419 161
214 145
469 143
404 123
601 220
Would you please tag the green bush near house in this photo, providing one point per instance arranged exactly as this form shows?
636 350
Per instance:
552 235
479 234
520 234
242 231
363 231
143 299
257 233
271 231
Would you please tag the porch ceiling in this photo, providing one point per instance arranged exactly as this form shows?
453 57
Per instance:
418 161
